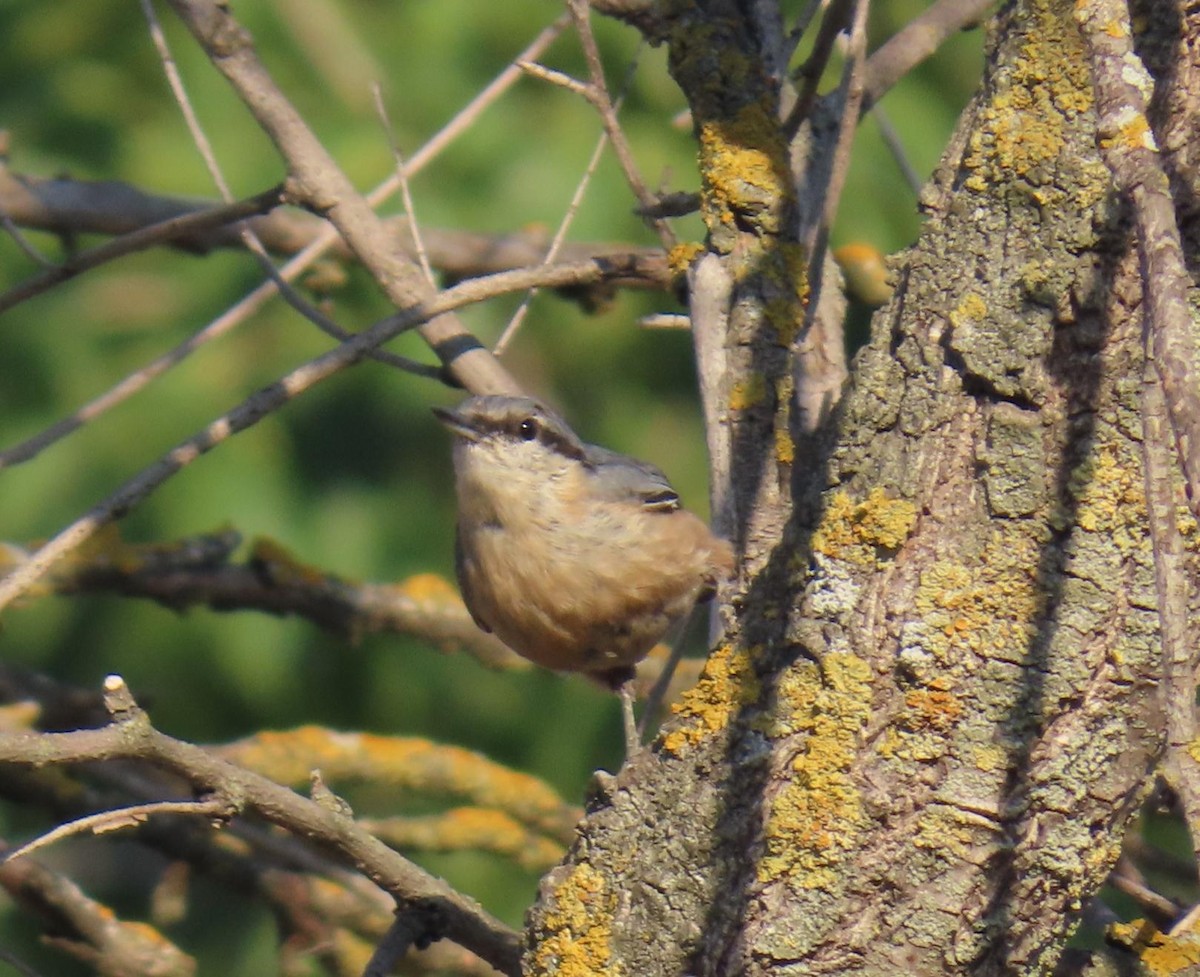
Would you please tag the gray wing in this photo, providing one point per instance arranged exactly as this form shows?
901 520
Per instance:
620 478
460 565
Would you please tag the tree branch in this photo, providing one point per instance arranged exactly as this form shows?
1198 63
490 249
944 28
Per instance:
318 182
1171 392
444 912
269 399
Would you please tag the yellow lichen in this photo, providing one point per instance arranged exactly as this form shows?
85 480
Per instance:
785 446
428 588
577 931
971 308
1162 954
743 162
727 685
990 757
680 257
785 286
857 532
1109 497
1020 134
747 392
813 822
289 756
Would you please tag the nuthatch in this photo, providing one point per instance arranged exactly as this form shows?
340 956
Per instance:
577 557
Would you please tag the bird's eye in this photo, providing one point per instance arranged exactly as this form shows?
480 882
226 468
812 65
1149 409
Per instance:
528 429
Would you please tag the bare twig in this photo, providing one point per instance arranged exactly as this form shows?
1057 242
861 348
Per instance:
555 77
816 235
564 225
399 939
1170 406
17 964
324 239
247 235
269 399
126 817
895 145
163 232
443 911
801 24
1126 878
581 15
405 192
114 208
915 42
22 242
90 930
317 180
518 317
665 320
835 20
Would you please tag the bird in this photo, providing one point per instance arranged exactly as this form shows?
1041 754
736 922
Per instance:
577 557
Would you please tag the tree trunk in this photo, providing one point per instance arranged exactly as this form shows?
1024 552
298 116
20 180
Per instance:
934 707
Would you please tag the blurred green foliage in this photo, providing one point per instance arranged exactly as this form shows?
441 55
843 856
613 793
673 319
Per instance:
355 476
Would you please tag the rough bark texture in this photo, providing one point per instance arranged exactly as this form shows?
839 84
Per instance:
935 704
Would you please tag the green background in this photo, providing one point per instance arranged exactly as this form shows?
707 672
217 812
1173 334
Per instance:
354 477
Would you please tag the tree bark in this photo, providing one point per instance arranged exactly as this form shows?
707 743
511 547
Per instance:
935 704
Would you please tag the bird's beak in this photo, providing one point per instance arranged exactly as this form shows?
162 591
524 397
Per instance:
460 425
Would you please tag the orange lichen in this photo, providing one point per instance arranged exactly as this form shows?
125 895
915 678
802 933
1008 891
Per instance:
931 709
281 566
410 762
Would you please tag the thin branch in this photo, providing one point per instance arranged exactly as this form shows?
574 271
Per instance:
18 964
1170 406
915 42
558 78
410 212
245 233
269 399
318 181
851 96
89 930
162 232
126 817
606 269
180 574
401 936
895 145
114 208
560 234
32 253
581 15
324 239
665 320
444 911
835 20
801 25
9 225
